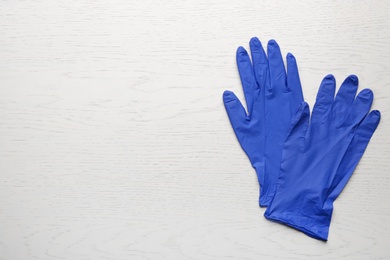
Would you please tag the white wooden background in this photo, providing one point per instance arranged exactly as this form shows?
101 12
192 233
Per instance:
114 142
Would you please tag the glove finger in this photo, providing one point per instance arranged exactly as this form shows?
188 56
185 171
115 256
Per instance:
260 62
344 99
235 110
293 81
299 126
248 82
276 68
361 106
354 153
325 98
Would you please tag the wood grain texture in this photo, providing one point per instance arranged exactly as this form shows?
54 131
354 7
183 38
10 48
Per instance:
114 142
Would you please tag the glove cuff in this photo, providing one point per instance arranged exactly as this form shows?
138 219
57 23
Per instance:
313 226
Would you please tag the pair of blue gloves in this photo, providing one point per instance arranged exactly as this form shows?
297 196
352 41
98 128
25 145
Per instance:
302 160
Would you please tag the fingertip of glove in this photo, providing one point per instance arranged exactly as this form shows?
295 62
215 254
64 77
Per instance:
255 42
228 96
373 119
241 51
353 78
330 77
302 111
366 94
304 107
226 93
290 56
376 114
272 43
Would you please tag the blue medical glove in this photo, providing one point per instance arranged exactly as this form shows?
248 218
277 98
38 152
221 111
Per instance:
319 156
272 98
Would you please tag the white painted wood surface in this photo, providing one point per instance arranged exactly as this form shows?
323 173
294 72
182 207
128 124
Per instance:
114 142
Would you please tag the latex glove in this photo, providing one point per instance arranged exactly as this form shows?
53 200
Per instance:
319 156
272 98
